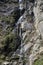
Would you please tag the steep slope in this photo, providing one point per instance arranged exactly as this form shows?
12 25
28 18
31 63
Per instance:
21 32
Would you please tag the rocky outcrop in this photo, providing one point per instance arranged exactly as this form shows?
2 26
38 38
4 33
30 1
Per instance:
33 34
27 46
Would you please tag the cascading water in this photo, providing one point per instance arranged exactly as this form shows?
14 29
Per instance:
21 4
29 40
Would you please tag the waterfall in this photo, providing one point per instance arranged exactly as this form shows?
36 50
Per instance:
29 38
21 4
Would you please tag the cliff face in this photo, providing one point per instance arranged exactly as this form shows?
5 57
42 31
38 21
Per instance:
21 32
32 34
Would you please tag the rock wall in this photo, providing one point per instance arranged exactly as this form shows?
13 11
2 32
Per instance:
33 32
29 28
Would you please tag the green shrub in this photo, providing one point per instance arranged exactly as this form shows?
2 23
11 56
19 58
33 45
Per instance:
39 61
